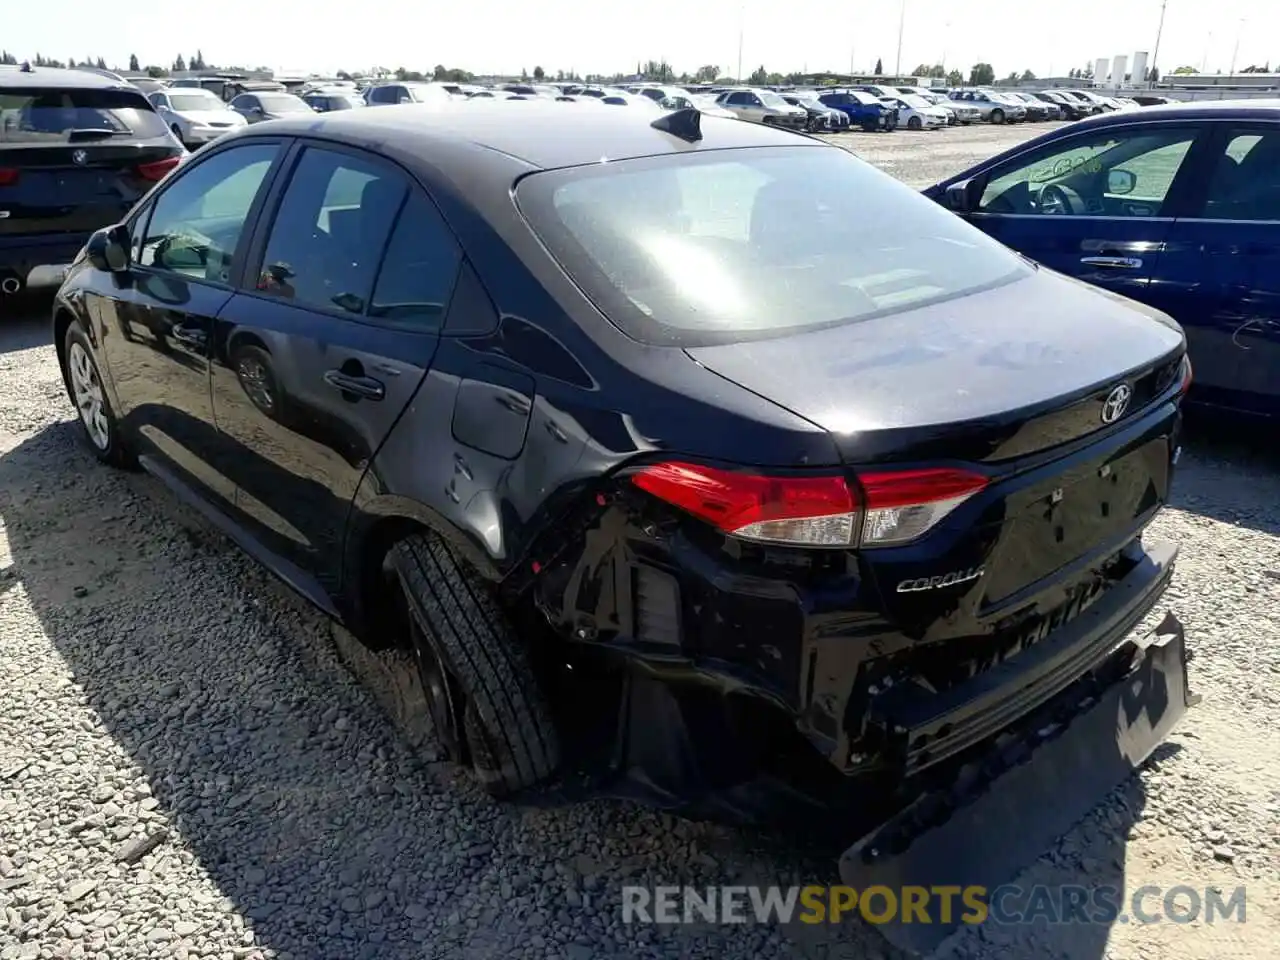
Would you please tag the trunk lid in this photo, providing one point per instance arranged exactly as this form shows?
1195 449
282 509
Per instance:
1010 383
987 377
72 160
53 193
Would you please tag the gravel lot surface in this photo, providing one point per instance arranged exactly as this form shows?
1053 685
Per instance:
189 768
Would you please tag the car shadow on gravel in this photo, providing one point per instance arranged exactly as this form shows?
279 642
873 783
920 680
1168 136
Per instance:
24 323
287 797
1236 458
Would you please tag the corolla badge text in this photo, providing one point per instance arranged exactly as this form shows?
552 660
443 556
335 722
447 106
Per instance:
943 580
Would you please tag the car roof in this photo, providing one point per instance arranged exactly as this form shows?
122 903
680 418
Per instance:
541 134
46 77
1260 109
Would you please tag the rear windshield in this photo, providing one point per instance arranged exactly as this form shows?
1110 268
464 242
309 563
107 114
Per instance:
743 244
59 115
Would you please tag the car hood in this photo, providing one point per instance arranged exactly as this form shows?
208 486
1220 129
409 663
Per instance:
210 116
1012 347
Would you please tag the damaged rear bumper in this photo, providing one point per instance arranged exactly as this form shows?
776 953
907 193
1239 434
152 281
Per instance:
1036 778
927 729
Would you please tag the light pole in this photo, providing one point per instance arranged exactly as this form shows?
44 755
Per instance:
742 19
902 21
1155 53
1204 63
1235 51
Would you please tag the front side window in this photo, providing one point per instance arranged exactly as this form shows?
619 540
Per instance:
199 218
744 244
1245 183
329 233
1126 173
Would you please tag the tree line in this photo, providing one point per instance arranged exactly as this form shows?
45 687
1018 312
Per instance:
655 71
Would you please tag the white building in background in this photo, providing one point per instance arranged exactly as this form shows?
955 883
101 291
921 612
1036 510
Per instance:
1118 68
1100 68
1139 69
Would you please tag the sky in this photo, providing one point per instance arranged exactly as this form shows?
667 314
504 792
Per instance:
505 36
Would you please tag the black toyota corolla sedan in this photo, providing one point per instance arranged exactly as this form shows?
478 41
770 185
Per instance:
804 472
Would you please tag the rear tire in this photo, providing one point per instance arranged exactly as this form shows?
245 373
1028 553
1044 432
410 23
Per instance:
496 715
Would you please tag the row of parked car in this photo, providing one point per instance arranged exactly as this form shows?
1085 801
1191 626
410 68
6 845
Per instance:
200 109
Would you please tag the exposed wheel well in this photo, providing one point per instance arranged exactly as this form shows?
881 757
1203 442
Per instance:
62 320
379 627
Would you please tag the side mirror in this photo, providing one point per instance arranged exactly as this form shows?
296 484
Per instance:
1121 182
963 196
405 98
108 249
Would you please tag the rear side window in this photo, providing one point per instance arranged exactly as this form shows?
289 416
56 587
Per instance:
419 269
744 244
60 115
332 226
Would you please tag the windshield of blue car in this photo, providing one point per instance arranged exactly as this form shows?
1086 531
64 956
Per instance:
55 114
863 97
740 244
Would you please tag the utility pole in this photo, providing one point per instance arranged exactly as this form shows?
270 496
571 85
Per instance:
1155 53
902 21
1204 63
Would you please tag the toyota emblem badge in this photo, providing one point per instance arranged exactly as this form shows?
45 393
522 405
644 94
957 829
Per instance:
1117 403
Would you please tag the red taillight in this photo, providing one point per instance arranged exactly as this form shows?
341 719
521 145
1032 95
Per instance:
1187 374
157 170
806 511
902 505
818 511
8 176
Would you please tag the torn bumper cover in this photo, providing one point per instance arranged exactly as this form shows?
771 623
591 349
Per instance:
1060 727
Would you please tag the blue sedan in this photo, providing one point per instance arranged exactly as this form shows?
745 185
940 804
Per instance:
1175 206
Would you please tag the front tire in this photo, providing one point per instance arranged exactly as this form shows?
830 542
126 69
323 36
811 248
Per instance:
98 423
915 123
484 698
997 116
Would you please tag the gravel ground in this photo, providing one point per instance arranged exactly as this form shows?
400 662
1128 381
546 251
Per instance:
189 768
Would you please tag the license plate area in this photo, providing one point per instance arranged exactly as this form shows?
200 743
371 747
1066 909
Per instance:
1071 515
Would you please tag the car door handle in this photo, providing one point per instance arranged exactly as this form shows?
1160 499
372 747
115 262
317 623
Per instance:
366 387
1114 263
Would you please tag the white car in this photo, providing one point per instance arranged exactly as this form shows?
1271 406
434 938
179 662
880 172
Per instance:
194 115
707 105
916 113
